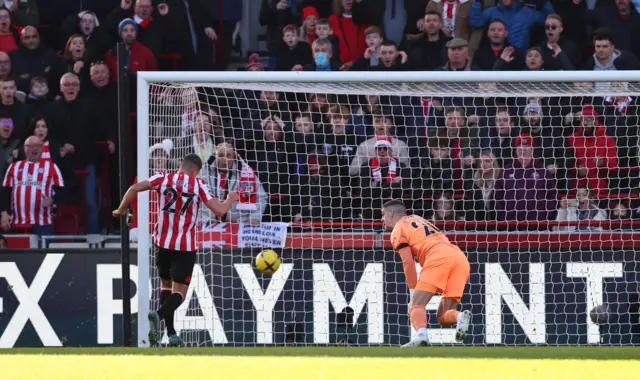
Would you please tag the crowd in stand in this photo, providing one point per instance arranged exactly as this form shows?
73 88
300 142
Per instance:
323 157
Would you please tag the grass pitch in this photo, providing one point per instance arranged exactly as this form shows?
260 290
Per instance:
298 363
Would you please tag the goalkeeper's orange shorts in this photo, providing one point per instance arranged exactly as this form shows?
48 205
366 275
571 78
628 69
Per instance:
446 270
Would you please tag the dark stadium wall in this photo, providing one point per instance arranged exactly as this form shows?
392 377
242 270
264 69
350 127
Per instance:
517 298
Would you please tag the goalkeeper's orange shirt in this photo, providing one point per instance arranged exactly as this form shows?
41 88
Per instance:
418 234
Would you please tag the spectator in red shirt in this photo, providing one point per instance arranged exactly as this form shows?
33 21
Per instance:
29 191
152 26
8 36
595 153
349 23
140 58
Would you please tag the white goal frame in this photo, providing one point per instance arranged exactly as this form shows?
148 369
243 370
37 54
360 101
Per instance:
146 79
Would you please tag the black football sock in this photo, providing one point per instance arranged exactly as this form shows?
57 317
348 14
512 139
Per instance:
168 308
164 295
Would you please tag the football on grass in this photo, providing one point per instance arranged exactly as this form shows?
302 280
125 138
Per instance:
268 261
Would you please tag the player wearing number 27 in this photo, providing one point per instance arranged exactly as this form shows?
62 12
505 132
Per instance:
180 195
445 269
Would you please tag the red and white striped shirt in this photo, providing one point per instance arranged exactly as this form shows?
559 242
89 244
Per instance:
179 198
32 182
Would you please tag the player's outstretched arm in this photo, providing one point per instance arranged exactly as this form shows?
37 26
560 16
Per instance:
130 195
409 266
221 208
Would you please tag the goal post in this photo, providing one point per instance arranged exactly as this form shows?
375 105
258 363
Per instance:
269 303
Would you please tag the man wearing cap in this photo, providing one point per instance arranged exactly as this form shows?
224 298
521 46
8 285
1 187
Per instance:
152 24
524 191
254 63
381 178
458 56
594 152
382 123
139 57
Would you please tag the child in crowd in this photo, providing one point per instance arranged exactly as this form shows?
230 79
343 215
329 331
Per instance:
293 54
371 57
325 30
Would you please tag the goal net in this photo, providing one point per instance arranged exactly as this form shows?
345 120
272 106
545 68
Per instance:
534 175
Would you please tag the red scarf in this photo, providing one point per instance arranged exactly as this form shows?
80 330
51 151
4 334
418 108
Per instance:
376 172
144 23
621 106
247 187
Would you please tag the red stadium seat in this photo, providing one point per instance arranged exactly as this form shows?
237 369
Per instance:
66 224
173 58
82 174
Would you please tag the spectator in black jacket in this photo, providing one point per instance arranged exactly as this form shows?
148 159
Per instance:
623 22
495 45
11 107
38 97
292 53
34 59
555 48
105 92
607 56
390 58
77 126
275 14
429 48
96 38
191 33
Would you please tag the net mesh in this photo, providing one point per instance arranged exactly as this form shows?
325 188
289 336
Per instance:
536 182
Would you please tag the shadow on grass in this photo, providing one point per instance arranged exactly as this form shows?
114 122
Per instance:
583 352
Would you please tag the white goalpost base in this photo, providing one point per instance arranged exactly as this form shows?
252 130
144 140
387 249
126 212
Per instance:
530 284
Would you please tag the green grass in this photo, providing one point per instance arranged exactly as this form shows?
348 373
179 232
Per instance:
296 363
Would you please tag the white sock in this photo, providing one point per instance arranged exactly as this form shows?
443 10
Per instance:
422 332
459 317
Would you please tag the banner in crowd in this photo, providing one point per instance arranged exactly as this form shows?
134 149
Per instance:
516 298
232 235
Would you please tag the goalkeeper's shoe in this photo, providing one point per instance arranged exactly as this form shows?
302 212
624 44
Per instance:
175 341
154 328
463 325
418 341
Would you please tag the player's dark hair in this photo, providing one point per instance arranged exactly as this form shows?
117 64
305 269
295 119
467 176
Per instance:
397 205
192 160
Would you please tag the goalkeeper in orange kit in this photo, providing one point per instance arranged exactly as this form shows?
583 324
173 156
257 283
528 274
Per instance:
445 269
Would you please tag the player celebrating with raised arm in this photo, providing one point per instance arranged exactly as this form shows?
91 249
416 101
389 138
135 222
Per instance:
179 197
445 269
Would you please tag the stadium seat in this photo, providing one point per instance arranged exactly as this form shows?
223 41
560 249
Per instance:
174 58
106 184
82 174
22 228
66 224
